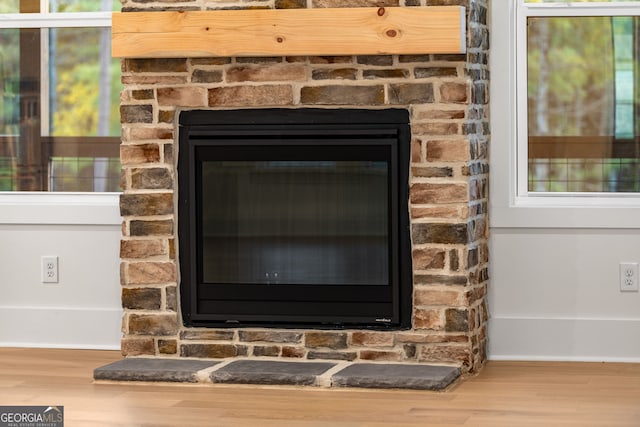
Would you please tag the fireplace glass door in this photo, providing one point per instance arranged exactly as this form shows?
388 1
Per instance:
294 217
318 222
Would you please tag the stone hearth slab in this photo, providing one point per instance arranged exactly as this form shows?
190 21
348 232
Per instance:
147 369
376 375
270 372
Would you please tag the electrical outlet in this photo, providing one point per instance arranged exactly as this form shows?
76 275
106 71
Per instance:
629 277
49 269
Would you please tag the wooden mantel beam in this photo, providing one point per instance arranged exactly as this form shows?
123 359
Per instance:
290 32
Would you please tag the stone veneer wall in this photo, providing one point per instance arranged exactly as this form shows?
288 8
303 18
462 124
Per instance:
447 96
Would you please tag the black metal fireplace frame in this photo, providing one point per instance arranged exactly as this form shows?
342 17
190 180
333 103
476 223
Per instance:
229 133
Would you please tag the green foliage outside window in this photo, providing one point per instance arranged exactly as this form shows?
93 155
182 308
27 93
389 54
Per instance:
75 104
77 98
13 6
583 104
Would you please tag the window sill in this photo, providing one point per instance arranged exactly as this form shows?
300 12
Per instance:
575 211
60 208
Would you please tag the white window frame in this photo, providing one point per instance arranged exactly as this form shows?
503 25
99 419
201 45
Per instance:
511 204
58 207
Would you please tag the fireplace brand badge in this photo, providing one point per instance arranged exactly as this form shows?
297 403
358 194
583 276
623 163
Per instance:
31 416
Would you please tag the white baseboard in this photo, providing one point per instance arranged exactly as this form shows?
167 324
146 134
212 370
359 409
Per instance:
564 339
60 327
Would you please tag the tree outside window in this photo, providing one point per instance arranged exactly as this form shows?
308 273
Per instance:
583 99
59 96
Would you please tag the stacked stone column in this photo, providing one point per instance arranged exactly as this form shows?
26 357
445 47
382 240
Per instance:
446 96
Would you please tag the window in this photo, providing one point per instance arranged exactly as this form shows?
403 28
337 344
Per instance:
565 113
581 98
582 103
59 97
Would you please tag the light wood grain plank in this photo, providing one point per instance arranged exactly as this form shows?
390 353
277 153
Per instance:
504 394
289 32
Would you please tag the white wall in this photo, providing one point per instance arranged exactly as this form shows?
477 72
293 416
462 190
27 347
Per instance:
83 310
555 295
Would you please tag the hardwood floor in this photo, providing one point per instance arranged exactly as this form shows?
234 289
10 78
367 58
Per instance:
504 394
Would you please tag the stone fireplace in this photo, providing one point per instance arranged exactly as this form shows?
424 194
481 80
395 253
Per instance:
446 97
